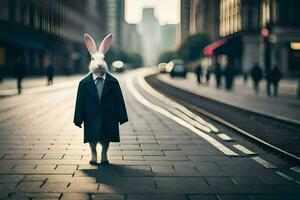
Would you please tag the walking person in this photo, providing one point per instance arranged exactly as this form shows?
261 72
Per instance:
275 76
207 75
256 75
218 74
19 72
99 104
198 72
50 74
229 76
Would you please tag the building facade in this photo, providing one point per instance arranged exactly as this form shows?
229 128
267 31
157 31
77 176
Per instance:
204 18
184 19
259 25
115 21
48 32
244 30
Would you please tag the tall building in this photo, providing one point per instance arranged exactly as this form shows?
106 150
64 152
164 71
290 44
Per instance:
204 17
150 29
184 19
132 40
49 31
168 37
115 21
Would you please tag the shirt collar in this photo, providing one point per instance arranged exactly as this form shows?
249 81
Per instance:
95 76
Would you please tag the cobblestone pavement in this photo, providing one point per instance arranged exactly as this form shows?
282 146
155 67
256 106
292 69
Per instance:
42 156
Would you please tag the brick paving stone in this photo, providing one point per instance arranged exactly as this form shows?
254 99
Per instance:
13 156
247 180
53 156
33 156
202 197
72 157
139 185
43 195
232 197
11 178
67 169
274 197
133 158
137 171
162 169
180 184
35 177
219 181
87 187
29 187
156 197
275 179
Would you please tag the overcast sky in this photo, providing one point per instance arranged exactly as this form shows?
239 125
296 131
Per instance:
167 11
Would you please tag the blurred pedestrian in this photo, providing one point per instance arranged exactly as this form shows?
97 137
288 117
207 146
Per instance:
218 74
1 72
207 75
256 75
229 76
245 77
19 72
198 72
275 76
50 74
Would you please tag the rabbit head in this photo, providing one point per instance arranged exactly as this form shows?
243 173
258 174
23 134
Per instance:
98 65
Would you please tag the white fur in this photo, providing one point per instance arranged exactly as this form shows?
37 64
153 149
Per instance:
98 65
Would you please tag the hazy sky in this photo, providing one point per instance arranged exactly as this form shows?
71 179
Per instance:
167 11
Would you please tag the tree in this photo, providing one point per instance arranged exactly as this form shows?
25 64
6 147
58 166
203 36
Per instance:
192 48
134 59
167 57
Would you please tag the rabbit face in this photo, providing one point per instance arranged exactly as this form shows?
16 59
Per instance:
98 65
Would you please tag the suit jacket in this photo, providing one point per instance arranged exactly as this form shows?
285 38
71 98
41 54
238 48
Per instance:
101 117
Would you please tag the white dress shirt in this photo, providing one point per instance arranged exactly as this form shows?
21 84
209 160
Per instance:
95 77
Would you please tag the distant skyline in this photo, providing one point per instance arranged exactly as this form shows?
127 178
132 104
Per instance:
166 11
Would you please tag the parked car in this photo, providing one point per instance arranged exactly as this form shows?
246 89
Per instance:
178 69
118 66
162 67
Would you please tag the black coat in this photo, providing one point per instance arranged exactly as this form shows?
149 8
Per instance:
101 118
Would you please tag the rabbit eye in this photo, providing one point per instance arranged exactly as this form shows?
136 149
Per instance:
92 58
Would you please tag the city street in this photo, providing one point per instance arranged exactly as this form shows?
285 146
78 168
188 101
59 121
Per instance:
166 152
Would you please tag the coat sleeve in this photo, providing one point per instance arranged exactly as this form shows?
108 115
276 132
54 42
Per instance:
121 108
78 114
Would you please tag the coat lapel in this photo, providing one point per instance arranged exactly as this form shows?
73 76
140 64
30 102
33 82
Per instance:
91 85
107 85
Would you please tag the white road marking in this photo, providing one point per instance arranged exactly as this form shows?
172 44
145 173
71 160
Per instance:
201 122
244 149
296 169
263 162
224 137
212 141
287 177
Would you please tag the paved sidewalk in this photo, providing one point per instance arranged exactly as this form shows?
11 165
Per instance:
9 85
285 106
42 156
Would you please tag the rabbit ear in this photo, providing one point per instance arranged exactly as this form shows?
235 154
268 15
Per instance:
90 44
105 44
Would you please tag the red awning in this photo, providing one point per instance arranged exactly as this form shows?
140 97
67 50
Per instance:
209 50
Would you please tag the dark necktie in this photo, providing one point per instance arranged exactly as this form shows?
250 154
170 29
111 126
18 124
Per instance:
99 86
